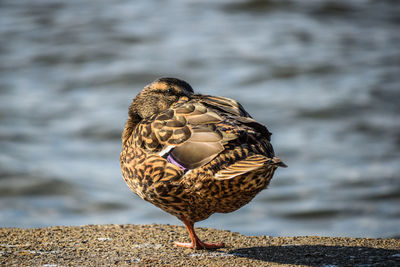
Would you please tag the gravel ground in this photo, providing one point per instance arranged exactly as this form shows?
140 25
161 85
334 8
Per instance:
149 245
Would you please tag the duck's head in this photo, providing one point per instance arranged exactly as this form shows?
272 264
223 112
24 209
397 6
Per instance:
158 96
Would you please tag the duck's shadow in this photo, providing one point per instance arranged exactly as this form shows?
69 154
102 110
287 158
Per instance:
320 255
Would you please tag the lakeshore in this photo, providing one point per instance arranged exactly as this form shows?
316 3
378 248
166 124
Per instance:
150 245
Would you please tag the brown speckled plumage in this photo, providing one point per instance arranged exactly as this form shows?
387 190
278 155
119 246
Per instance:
193 155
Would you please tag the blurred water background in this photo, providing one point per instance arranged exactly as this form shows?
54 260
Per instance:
324 76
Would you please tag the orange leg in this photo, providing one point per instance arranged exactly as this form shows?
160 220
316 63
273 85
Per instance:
196 242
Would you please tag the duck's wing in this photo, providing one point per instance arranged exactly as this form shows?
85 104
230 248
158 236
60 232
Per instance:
253 138
192 133
235 111
188 132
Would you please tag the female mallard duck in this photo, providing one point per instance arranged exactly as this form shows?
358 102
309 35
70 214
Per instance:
193 155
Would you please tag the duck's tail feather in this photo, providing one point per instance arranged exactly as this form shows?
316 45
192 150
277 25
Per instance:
278 161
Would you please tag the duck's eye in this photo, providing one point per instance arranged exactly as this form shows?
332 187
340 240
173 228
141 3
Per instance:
169 90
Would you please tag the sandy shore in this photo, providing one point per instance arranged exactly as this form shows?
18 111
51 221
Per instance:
149 245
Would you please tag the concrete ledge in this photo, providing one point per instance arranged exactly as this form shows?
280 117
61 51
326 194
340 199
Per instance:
105 245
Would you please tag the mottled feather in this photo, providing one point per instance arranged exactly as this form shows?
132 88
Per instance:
193 155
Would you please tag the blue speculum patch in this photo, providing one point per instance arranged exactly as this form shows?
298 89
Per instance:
171 159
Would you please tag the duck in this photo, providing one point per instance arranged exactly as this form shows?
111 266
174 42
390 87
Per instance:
193 155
